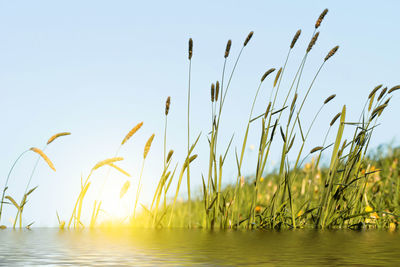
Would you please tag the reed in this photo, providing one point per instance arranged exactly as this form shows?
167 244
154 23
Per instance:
188 127
139 187
167 107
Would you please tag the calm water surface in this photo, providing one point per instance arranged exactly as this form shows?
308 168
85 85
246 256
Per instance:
196 247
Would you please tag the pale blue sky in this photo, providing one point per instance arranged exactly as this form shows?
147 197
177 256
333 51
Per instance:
96 68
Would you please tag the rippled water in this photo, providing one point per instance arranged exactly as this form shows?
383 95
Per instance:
197 247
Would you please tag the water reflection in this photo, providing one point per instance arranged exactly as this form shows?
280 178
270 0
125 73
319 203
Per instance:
196 247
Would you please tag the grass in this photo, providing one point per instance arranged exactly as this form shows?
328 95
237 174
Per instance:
41 154
354 190
378 206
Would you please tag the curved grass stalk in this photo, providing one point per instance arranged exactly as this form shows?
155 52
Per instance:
145 153
165 151
138 189
188 145
19 212
23 201
33 170
8 178
280 79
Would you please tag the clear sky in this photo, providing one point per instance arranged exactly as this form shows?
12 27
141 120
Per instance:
97 68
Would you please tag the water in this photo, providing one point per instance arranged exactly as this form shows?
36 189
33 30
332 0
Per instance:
198 247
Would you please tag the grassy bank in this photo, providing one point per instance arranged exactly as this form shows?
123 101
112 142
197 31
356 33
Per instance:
376 203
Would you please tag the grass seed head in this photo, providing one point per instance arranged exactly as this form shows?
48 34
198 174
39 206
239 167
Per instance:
321 18
293 102
329 98
228 48
295 38
291 143
167 104
373 116
331 53
273 129
312 42
267 110
192 158
189 160
216 91
54 137
31 191
106 162
386 103
277 76
248 38
268 72
131 132
212 92
315 149
382 93
335 118
190 48
41 153
374 91
394 88
378 110
381 110
147 146
170 153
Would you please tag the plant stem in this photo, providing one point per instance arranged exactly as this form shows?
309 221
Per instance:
8 177
188 145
